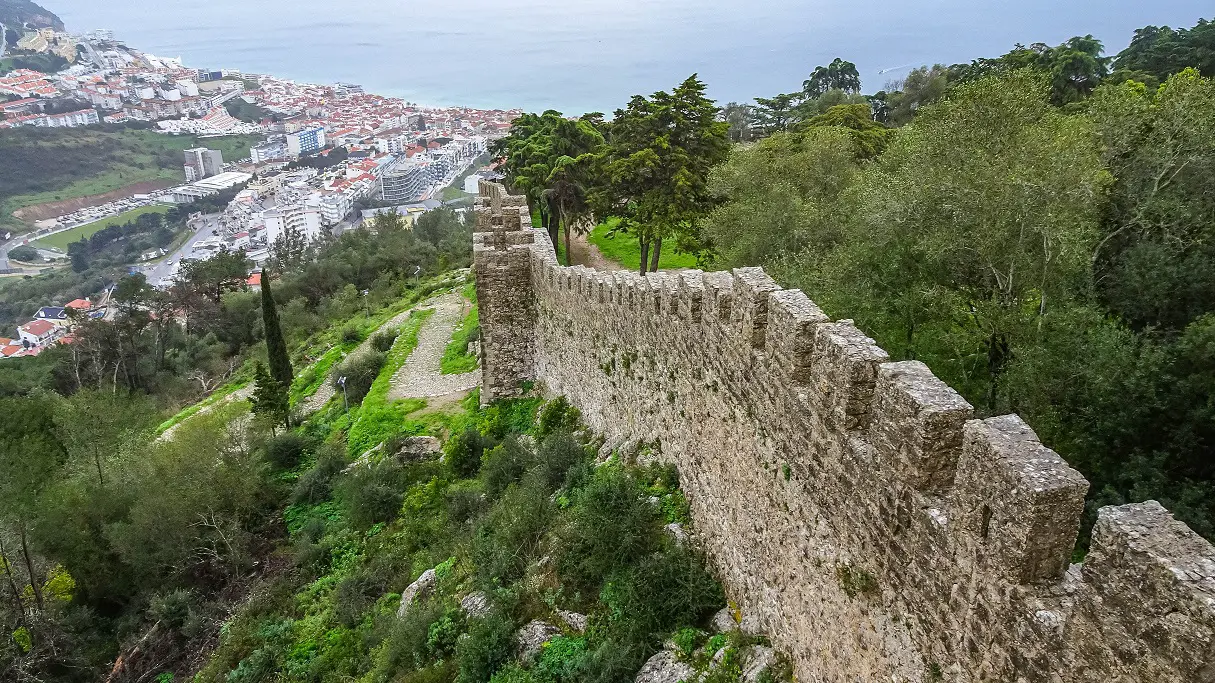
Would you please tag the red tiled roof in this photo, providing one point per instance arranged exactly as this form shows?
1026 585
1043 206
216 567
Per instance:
38 327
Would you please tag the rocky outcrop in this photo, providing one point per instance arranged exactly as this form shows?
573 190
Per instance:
665 667
475 605
575 621
530 639
421 588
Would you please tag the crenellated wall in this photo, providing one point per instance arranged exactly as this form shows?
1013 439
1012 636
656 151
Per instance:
852 504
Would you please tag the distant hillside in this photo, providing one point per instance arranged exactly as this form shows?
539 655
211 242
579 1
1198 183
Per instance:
16 13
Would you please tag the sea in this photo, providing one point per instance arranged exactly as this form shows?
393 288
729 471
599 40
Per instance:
579 56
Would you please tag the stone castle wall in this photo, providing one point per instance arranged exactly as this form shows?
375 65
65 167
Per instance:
852 504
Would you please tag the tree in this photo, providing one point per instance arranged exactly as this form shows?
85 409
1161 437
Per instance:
839 75
276 346
270 398
1074 68
656 165
775 114
741 118
92 425
1155 53
922 86
870 136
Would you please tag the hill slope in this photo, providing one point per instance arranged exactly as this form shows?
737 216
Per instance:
17 13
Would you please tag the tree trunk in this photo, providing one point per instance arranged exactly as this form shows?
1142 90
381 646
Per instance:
645 256
569 255
657 253
29 568
551 225
12 582
97 461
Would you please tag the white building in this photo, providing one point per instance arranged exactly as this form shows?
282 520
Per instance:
207 187
304 220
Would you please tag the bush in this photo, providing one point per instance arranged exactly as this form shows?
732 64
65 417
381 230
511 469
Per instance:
562 661
173 608
360 370
370 495
558 415
611 526
464 502
351 334
285 450
316 485
662 591
489 645
383 340
463 453
509 538
405 648
24 253
557 455
505 464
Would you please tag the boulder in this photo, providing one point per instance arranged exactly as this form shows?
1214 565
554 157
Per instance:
475 604
723 621
755 661
677 532
418 589
418 448
664 667
575 621
531 639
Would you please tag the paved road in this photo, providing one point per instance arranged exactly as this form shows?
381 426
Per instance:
162 270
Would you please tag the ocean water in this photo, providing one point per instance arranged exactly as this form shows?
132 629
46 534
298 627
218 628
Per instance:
592 55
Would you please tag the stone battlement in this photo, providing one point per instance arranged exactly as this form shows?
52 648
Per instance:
853 504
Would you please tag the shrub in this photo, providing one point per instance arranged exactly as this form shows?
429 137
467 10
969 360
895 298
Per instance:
505 464
172 608
463 453
509 538
464 501
512 674
443 634
556 456
561 661
316 485
351 334
558 415
611 526
384 339
285 450
24 253
662 591
489 645
511 416
370 495
405 648
360 370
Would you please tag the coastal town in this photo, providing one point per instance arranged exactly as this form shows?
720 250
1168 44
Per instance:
329 156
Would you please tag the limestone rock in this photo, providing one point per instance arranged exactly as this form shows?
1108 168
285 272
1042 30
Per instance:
418 589
574 620
532 637
676 531
723 621
664 668
418 448
755 661
475 604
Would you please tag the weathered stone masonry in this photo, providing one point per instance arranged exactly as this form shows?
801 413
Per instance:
852 504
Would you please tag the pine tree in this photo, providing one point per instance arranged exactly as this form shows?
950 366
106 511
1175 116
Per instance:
276 348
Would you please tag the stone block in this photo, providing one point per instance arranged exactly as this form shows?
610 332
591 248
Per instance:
843 372
792 319
917 425
751 289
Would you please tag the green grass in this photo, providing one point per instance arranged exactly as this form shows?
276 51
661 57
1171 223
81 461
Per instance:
456 358
376 418
624 249
46 165
61 240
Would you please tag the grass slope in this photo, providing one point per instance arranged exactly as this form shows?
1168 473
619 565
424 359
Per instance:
623 249
61 240
46 165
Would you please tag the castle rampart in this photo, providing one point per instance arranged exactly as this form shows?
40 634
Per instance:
852 504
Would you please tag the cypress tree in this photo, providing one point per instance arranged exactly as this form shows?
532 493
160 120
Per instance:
276 348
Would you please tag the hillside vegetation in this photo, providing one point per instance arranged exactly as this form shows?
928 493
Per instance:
18 13
47 165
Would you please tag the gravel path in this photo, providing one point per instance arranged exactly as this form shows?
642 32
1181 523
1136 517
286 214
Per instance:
326 391
420 377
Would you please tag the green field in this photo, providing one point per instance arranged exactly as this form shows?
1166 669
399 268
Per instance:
61 240
46 165
623 249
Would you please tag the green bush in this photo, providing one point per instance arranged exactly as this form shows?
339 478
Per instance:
556 456
360 371
285 450
511 416
562 661
509 537
383 340
463 453
662 591
405 647
172 609
443 634
24 253
610 527
316 485
464 502
558 415
489 645
370 495
351 334
505 464
512 674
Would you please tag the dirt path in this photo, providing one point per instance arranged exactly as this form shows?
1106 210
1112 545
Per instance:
586 254
420 376
326 391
